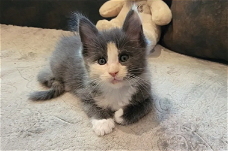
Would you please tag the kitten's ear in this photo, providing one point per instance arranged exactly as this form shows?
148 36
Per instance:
133 27
87 31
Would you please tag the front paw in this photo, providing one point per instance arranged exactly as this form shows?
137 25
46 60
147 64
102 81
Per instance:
118 116
103 126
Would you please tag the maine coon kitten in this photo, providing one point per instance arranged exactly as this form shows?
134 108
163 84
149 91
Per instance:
107 70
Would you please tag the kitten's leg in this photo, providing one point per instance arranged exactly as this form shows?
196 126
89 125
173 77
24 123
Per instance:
101 119
133 112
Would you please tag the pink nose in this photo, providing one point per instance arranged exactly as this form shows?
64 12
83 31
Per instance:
113 74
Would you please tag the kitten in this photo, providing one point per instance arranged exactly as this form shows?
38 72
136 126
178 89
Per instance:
107 70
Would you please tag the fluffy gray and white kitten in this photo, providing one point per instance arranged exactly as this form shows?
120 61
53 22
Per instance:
107 70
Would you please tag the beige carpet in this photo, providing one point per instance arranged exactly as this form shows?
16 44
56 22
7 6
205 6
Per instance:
190 103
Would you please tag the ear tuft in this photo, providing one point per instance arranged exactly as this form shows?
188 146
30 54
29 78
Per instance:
87 30
133 27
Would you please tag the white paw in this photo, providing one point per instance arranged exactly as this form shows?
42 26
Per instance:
118 116
103 126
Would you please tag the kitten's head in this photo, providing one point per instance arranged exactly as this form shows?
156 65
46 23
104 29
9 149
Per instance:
115 57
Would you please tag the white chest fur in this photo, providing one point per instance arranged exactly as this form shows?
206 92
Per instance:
115 98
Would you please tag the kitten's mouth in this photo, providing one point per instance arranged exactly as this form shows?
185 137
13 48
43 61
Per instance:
114 81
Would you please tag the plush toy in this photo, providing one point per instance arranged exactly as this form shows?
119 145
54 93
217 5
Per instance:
153 13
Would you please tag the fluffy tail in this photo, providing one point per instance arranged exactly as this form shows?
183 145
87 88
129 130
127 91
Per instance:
56 90
73 22
46 78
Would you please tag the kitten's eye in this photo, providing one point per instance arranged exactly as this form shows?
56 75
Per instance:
123 58
101 61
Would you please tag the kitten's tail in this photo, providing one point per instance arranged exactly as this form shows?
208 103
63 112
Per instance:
56 90
46 78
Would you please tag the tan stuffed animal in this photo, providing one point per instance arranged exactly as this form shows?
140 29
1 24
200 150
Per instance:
153 13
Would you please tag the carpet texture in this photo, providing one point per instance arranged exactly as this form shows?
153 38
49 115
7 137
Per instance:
189 107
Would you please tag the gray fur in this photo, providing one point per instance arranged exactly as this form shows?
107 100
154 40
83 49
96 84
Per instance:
45 77
141 104
57 89
70 69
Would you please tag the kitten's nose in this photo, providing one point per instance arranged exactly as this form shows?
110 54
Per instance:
113 74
